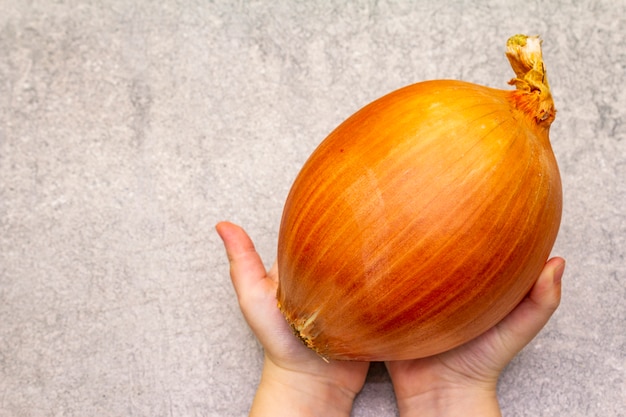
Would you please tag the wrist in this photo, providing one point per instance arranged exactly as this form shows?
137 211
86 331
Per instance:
451 402
284 392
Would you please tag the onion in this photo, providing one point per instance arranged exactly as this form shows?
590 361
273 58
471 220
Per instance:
424 218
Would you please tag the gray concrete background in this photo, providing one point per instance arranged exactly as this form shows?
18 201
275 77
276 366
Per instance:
128 129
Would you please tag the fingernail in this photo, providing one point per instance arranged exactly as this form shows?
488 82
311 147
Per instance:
558 273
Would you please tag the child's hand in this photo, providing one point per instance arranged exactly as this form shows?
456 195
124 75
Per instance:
463 381
295 380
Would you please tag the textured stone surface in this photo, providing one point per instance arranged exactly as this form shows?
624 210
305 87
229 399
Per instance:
128 129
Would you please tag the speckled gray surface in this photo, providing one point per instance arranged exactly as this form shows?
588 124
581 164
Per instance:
128 129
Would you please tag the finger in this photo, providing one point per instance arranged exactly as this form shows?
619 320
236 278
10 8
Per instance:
246 266
532 314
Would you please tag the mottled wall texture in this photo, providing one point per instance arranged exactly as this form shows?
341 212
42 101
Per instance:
129 128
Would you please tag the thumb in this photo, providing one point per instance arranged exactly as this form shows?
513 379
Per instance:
532 314
246 266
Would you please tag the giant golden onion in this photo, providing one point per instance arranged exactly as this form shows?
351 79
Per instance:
424 218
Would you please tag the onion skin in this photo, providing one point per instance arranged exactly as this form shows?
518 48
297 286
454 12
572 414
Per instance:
424 218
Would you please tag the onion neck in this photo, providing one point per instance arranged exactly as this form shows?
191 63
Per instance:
533 96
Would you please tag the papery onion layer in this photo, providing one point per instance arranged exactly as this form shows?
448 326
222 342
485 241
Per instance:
422 220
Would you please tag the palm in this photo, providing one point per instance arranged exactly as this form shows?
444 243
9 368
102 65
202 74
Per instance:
256 292
475 365
470 365
478 363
